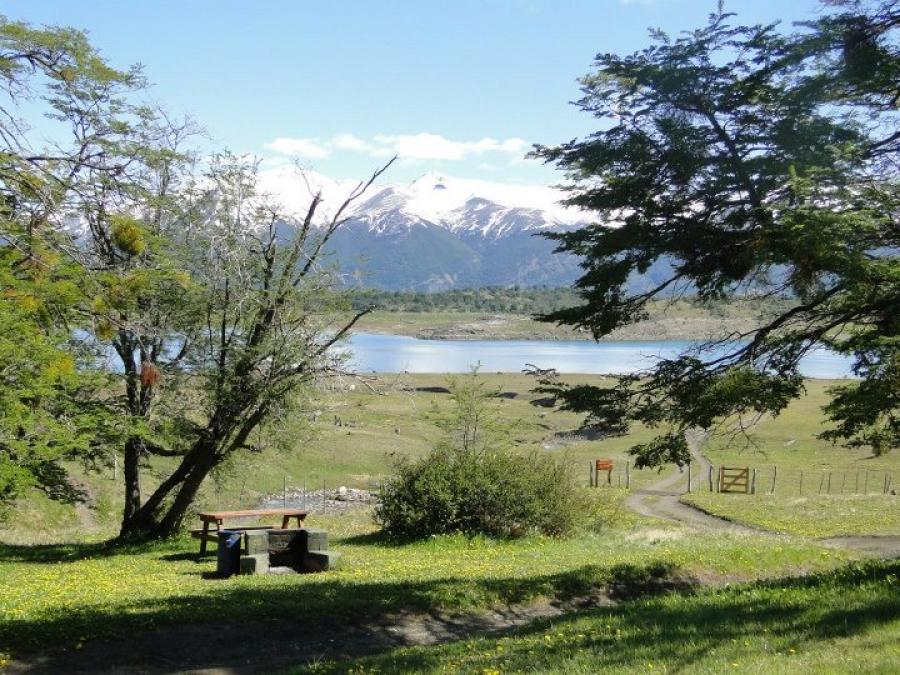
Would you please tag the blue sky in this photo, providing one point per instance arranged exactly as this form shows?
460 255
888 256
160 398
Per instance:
461 87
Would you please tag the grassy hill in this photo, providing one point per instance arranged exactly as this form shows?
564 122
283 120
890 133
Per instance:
623 593
350 437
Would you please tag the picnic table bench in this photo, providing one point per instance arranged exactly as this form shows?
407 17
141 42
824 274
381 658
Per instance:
218 519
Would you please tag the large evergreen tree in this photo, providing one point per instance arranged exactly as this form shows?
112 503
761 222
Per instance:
755 162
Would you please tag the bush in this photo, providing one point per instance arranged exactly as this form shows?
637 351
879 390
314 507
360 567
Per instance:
488 492
470 483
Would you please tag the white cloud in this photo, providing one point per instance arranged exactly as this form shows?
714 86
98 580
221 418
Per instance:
351 142
309 148
421 146
434 146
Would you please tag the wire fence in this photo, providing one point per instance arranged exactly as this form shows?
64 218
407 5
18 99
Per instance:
768 479
792 481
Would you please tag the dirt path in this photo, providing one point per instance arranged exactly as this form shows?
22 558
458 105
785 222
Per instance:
884 546
662 500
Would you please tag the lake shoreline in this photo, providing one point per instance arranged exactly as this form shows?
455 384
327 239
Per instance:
473 326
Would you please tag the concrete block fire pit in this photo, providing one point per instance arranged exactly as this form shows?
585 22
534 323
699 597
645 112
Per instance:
289 550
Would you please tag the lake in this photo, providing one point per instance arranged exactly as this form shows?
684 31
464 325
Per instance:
397 353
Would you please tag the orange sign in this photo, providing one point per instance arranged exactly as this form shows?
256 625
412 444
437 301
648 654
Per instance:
604 465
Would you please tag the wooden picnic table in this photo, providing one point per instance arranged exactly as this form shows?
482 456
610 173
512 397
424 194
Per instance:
218 519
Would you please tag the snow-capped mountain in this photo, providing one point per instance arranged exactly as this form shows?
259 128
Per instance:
454 203
441 232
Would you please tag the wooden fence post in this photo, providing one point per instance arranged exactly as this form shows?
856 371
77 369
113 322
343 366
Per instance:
590 474
843 481
753 483
866 483
710 472
801 482
689 477
829 482
774 477
627 476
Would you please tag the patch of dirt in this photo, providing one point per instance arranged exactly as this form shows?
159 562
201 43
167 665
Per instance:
886 546
265 646
433 390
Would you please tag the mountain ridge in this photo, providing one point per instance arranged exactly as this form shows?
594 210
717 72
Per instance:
439 232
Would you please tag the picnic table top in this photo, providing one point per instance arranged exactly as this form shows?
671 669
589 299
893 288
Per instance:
252 513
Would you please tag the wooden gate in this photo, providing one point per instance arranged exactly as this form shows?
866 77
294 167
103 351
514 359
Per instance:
734 479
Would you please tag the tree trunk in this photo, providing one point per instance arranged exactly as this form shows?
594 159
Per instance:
154 520
145 520
134 448
137 401
171 522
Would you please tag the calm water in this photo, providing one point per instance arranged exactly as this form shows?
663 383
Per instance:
396 353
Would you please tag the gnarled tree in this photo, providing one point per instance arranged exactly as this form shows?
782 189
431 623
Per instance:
270 319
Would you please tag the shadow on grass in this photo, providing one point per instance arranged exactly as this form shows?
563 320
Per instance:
326 608
340 618
794 614
378 538
190 556
60 553
170 549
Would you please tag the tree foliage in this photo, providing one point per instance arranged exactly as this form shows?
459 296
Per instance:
752 162
45 416
213 303
50 410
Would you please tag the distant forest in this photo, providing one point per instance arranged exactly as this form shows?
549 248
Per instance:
542 300
513 300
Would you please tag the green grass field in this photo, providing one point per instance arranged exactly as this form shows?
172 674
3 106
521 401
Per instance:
373 427
805 485
838 622
806 516
68 594
679 320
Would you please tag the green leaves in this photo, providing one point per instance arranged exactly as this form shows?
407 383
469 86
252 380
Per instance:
473 422
127 235
743 161
43 415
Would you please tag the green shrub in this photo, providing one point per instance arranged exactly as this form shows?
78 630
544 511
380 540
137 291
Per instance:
471 483
478 492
